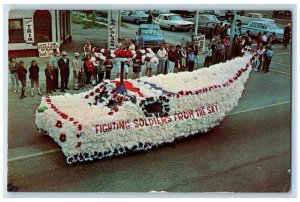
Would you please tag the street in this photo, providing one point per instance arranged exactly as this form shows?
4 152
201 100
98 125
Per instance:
250 151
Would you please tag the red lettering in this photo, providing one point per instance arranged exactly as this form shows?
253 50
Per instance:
136 123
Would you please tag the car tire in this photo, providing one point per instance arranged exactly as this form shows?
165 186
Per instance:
173 29
137 22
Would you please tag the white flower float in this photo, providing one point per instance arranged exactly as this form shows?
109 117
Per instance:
154 110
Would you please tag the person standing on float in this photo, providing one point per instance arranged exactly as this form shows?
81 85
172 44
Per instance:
53 62
63 64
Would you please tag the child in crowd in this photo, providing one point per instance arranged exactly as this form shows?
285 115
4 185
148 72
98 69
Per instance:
208 56
49 78
81 79
22 71
108 66
101 70
34 77
191 59
260 52
268 57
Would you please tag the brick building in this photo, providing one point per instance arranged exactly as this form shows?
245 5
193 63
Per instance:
27 28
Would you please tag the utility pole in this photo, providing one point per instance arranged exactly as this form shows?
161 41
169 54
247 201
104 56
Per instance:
232 31
119 24
196 22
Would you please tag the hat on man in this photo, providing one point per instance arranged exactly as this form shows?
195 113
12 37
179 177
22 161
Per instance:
76 54
64 53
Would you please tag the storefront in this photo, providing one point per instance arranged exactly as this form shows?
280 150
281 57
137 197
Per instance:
27 28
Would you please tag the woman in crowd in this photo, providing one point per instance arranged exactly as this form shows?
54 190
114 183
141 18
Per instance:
171 59
162 56
77 65
108 67
131 45
178 56
226 43
258 41
89 70
13 66
34 77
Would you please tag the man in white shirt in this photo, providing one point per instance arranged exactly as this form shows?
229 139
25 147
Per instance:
264 39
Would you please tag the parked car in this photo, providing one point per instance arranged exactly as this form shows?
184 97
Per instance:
155 13
136 16
252 17
151 35
207 30
173 22
263 26
184 13
203 19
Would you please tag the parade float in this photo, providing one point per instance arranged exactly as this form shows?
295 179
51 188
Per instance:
119 116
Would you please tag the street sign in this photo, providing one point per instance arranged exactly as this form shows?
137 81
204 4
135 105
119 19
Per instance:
199 42
29 34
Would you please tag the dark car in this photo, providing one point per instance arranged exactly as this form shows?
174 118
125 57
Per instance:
208 29
185 13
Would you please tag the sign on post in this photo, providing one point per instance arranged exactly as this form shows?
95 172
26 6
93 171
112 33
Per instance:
46 49
113 29
199 42
29 34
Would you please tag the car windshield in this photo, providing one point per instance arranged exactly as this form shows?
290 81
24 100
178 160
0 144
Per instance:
139 13
212 17
175 17
264 16
271 26
150 31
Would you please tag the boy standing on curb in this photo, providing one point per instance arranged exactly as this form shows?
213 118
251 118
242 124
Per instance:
22 71
49 78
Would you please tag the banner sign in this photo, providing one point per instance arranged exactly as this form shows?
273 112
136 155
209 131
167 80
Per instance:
199 41
46 49
113 29
141 123
29 34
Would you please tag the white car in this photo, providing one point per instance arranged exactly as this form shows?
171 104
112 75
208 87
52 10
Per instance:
173 22
203 19
252 17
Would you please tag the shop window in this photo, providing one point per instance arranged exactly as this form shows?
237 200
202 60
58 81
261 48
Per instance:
16 31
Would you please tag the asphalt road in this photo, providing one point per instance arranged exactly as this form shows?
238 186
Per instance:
250 151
